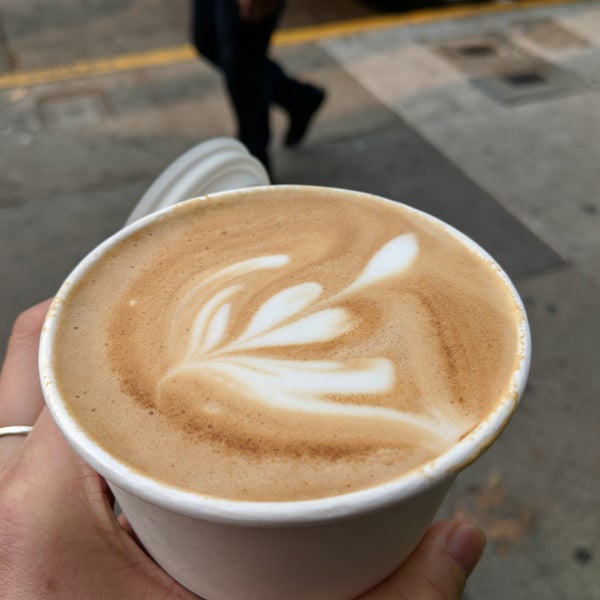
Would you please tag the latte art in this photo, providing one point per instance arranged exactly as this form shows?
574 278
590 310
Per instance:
294 316
285 347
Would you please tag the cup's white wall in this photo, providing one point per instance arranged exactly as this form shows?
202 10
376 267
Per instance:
335 560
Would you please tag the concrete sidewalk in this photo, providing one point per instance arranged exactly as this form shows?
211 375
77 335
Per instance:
489 121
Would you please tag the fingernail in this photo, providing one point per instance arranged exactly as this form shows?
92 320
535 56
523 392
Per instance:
465 544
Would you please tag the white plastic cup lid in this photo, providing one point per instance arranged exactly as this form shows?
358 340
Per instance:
216 165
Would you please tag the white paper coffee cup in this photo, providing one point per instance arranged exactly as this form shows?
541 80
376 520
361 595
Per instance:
324 549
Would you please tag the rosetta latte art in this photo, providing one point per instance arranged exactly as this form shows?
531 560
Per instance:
295 316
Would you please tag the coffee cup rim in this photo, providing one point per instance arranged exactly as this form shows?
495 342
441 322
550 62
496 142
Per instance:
274 513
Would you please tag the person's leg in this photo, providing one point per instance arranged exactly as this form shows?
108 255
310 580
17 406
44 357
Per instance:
203 29
254 81
301 100
243 49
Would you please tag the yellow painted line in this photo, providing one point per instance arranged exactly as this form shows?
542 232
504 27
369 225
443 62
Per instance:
168 56
97 66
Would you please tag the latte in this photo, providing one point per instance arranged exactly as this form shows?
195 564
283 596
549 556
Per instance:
285 343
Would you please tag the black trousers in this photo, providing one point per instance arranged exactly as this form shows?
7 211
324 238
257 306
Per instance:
254 81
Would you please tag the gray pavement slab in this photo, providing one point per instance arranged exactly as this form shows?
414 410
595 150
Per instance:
533 168
42 34
57 231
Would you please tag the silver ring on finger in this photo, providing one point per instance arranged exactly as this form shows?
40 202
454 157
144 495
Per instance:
15 430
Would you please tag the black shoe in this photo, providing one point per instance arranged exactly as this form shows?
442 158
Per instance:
300 119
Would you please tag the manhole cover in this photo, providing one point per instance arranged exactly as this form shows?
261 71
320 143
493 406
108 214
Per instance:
74 110
544 83
482 55
524 79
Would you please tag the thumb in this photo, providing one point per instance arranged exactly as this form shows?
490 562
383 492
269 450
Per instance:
438 568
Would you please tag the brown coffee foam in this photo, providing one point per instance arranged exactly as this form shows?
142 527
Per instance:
449 324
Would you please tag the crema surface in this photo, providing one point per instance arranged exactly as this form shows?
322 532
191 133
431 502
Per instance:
285 344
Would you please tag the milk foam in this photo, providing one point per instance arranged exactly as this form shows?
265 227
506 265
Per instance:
285 347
